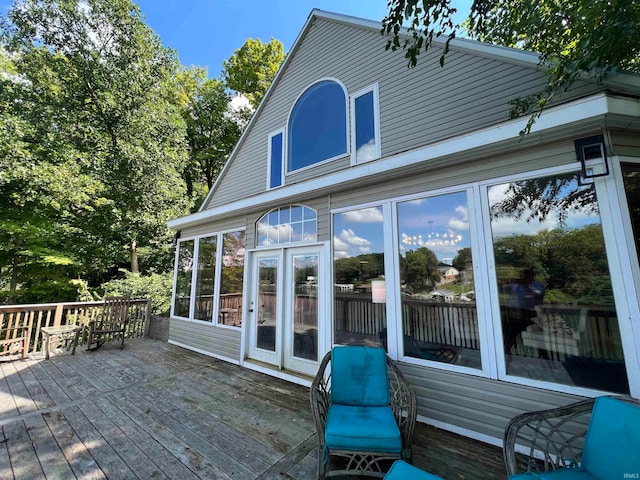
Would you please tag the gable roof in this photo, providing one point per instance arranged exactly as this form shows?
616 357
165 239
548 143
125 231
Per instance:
505 54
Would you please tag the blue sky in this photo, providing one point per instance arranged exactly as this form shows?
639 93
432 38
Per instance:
206 32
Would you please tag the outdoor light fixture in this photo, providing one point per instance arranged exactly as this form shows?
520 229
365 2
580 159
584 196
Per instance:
592 155
433 239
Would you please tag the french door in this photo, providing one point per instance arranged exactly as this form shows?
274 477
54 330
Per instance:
287 297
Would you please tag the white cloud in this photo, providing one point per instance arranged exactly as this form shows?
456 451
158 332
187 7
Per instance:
365 215
349 237
367 152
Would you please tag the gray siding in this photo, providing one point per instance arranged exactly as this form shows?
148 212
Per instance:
474 403
481 169
417 106
237 222
626 143
219 341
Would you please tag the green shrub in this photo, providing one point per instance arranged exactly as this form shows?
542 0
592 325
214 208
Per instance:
155 287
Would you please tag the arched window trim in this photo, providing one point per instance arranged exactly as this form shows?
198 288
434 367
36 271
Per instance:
347 153
272 245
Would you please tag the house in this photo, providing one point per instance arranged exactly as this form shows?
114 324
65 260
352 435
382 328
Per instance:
448 274
356 171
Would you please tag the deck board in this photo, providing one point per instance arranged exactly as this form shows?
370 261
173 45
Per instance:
157 411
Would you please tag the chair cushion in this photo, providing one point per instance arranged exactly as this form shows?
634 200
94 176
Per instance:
563 474
362 428
359 376
612 446
401 470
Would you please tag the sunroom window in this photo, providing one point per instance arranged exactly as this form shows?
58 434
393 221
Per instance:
209 270
290 224
184 273
317 129
557 314
439 313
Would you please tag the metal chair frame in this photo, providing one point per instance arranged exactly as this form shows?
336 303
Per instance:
403 404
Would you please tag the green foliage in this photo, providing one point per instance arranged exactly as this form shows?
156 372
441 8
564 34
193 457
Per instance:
156 287
92 144
419 270
212 129
573 37
252 67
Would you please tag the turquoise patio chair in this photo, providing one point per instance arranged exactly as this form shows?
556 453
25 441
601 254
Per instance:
364 411
403 471
559 448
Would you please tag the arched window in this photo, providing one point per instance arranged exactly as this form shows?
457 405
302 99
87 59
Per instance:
290 224
317 125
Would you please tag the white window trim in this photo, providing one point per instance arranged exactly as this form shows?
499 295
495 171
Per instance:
286 138
218 275
277 245
283 162
376 122
493 363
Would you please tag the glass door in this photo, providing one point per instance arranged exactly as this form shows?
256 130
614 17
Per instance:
287 296
303 297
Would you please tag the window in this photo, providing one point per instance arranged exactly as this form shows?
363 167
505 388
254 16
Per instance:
365 136
317 126
205 279
439 315
289 224
359 278
212 276
231 279
184 270
275 159
557 312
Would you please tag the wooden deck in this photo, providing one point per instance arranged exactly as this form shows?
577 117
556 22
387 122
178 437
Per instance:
157 411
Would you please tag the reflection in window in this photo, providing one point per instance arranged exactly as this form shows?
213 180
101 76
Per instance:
365 142
359 278
317 126
275 160
439 315
304 307
231 279
558 317
205 279
631 175
289 224
184 272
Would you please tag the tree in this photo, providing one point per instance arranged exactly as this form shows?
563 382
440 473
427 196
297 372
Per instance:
250 70
213 127
573 37
419 269
92 105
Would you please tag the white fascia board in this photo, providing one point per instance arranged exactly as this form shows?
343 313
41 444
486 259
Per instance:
578 110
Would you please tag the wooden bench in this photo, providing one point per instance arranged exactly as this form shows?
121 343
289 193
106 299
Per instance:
14 341
68 333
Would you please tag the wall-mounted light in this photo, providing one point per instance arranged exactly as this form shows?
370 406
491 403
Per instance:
176 237
592 155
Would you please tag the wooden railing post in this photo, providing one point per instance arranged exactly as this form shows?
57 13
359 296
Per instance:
147 318
57 318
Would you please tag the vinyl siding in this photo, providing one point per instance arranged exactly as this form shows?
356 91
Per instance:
219 341
484 168
474 403
418 106
626 143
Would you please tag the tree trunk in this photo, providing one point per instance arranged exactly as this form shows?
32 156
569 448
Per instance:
134 258
13 282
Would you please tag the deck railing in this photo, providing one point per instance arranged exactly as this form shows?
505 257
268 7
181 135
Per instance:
35 316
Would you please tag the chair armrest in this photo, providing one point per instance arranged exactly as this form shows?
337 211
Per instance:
552 438
402 400
320 397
